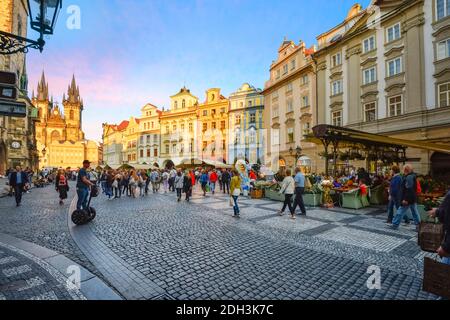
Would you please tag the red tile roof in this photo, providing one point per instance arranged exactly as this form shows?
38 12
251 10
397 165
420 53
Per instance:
123 125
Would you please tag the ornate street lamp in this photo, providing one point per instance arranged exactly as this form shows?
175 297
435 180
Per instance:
43 15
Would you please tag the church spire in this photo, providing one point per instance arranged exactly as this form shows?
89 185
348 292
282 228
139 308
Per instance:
73 92
42 89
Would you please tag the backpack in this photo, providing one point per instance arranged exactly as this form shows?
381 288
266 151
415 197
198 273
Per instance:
418 187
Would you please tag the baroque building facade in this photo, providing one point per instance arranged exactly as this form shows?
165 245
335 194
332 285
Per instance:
60 140
289 106
113 143
385 70
246 125
17 134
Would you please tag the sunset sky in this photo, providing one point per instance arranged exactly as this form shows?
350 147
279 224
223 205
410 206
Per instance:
131 52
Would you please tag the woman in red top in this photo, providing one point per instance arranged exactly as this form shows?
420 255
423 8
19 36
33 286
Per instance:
212 180
252 175
62 186
362 187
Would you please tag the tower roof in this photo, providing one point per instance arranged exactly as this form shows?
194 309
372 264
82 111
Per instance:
42 89
73 92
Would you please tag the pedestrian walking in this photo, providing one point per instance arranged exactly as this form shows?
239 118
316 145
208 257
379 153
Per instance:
187 185
109 185
395 194
165 180
213 180
443 214
204 179
179 183
299 180
172 175
155 180
236 189
116 185
219 179
226 178
408 198
287 188
133 183
61 186
18 180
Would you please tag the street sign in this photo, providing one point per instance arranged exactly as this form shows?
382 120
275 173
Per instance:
8 92
8 88
13 109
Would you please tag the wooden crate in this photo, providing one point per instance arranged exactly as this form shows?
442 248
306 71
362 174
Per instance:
257 194
436 278
430 236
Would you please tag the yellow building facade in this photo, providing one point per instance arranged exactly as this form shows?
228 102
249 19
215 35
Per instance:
114 143
213 125
60 139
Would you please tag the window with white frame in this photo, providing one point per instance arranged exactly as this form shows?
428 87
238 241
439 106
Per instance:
442 9
443 49
336 118
174 148
306 128
285 69
393 33
289 87
336 87
167 148
369 44
369 75
252 136
395 106
370 111
336 60
305 101
444 94
293 64
252 117
394 66
289 106
305 79
290 135
275 111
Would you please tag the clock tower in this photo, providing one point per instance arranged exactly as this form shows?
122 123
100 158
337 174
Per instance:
73 107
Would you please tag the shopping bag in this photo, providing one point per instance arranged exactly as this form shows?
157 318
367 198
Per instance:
436 278
231 202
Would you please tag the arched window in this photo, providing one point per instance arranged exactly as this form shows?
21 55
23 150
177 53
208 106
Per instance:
183 103
72 115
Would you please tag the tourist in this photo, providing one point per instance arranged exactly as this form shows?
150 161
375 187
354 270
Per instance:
226 178
61 186
235 189
204 181
212 180
299 190
443 214
142 183
287 188
124 189
17 181
172 175
116 185
83 185
408 198
179 182
154 178
165 180
108 185
134 179
187 184
219 179
395 194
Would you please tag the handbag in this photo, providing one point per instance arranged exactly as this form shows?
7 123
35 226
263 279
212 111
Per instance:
231 202
436 277
115 184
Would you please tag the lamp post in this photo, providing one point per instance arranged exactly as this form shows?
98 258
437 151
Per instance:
298 153
43 16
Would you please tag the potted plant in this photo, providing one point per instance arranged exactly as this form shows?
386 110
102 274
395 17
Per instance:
272 192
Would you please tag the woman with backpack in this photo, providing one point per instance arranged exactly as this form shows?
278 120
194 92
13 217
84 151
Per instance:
288 189
179 183
204 179
62 186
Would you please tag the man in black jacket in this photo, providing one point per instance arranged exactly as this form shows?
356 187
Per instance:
226 178
443 214
18 180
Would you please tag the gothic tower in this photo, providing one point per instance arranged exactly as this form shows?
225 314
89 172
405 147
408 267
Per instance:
73 107
41 101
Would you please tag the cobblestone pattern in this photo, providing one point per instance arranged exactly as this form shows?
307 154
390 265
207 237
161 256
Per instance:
42 221
194 251
24 277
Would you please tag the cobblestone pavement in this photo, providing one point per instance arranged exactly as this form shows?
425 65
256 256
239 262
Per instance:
198 250
41 220
25 277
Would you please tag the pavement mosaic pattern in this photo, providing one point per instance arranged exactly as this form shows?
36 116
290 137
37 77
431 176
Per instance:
197 250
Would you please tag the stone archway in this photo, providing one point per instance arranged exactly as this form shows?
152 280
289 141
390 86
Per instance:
168 164
440 166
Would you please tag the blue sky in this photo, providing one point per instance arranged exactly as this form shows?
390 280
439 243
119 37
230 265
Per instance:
131 52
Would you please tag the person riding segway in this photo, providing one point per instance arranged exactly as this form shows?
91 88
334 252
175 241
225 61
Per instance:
85 189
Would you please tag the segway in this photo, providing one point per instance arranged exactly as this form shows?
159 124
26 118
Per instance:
81 217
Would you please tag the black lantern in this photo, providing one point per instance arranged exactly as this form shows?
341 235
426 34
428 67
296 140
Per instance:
43 15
